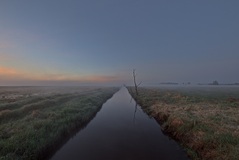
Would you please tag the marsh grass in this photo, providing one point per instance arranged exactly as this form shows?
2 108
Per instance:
38 125
206 123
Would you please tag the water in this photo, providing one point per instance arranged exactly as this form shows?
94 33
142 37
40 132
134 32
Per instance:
121 131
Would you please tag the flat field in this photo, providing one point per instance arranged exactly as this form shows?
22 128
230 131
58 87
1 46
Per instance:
204 119
36 121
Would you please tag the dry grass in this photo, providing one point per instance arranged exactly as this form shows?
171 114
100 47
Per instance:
207 127
39 120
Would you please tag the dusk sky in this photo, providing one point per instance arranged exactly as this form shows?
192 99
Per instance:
81 42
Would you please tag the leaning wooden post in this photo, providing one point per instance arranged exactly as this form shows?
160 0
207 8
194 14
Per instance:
135 83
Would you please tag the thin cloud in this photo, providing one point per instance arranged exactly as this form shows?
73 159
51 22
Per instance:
68 77
12 74
7 71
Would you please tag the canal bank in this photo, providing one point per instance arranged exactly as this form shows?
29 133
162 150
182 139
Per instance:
121 130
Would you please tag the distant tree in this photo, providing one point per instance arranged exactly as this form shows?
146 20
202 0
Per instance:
215 83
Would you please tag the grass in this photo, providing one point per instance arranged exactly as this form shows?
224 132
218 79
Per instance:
35 121
205 122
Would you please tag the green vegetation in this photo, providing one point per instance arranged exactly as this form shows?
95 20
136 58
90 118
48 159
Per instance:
204 121
35 121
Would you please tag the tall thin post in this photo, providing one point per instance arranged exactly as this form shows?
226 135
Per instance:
135 83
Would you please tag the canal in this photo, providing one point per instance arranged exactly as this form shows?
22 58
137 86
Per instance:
121 130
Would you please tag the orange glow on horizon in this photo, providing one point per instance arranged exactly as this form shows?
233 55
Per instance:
65 77
10 74
7 71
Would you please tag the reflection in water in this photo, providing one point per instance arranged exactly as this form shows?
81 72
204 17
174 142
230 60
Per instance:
136 106
112 134
135 110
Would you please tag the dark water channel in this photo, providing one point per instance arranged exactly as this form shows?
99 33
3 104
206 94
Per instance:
118 132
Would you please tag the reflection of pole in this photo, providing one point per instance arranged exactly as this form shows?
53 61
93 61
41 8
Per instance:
136 105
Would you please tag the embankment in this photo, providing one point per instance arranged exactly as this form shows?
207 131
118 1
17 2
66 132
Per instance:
206 127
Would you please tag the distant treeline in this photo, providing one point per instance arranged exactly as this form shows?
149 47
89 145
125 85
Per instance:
219 84
188 83
171 83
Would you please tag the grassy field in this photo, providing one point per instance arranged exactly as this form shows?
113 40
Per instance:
35 121
205 120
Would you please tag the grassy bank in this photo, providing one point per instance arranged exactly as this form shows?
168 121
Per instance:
205 122
35 121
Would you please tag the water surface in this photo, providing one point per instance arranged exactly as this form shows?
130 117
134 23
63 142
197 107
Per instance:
121 131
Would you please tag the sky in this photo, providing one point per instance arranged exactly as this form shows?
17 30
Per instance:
86 42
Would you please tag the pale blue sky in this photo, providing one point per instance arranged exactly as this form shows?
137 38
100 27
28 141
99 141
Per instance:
101 41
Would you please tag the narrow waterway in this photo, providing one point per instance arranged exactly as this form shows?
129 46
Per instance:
121 131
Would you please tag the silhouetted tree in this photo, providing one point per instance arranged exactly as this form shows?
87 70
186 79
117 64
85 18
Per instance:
215 83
